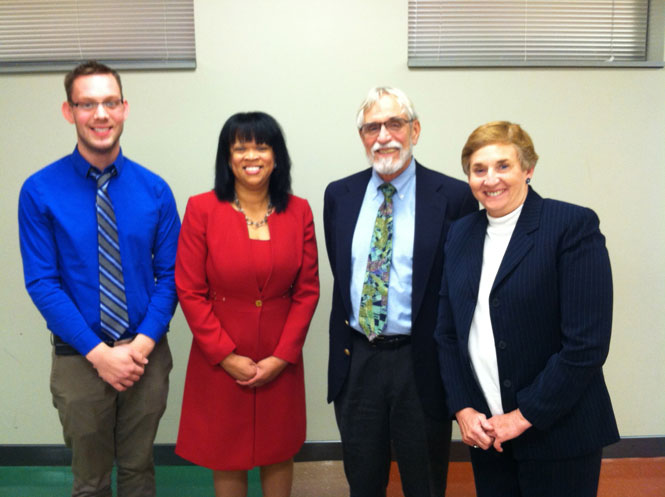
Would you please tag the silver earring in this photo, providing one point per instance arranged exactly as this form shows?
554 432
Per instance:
528 180
274 166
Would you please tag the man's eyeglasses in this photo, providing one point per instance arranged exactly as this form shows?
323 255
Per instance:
393 125
88 106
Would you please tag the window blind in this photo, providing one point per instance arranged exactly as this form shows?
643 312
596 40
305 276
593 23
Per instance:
527 32
43 35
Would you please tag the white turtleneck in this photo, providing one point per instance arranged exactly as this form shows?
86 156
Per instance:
481 335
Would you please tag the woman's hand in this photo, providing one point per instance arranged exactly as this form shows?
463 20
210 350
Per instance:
474 426
240 368
504 427
266 370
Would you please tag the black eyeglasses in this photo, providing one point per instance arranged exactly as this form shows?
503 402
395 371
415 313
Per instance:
393 125
88 106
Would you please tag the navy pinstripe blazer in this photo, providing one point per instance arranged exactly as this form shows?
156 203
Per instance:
439 200
551 312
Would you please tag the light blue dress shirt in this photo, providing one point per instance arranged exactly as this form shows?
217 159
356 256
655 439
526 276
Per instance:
401 269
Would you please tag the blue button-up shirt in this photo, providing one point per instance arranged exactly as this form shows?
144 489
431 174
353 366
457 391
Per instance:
58 235
401 268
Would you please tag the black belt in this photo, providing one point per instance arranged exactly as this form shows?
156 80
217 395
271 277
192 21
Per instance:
386 341
63 348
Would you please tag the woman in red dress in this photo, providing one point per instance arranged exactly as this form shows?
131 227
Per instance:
247 280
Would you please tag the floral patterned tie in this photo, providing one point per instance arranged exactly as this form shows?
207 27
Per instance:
374 298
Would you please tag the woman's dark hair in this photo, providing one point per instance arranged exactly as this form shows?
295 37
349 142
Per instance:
260 128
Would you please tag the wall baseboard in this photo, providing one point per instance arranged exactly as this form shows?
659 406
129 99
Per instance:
59 455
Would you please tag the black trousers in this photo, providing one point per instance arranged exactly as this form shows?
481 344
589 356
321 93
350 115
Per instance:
378 408
500 475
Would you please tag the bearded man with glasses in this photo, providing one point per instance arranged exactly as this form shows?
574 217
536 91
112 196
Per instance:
98 237
385 228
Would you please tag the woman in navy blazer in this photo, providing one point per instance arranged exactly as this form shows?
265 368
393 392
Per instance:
524 328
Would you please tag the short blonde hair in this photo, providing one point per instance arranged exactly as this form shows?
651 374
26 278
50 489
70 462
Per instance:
503 132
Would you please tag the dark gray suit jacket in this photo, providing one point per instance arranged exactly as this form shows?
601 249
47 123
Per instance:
439 200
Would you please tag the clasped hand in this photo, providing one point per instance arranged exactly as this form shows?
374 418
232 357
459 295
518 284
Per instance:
248 373
119 366
478 431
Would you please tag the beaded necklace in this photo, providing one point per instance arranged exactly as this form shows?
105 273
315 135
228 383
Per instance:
254 224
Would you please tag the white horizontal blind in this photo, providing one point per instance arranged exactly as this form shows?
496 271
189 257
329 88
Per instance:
56 34
527 32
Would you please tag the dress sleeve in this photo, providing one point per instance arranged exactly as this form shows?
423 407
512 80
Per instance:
305 296
192 285
585 302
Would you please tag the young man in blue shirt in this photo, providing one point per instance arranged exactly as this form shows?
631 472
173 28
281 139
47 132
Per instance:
98 237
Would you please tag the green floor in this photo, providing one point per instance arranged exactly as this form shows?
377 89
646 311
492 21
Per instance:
56 481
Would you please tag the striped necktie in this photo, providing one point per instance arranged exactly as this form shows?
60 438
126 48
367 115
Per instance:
373 314
114 319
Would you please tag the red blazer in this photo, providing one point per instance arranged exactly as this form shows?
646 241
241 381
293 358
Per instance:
224 426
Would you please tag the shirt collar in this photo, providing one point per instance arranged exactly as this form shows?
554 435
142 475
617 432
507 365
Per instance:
400 182
82 166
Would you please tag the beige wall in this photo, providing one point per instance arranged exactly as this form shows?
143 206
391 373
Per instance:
600 134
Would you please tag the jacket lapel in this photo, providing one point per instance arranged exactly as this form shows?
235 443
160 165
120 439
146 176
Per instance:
468 263
349 209
431 206
473 256
521 241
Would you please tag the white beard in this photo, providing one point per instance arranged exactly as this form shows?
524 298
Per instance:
386 166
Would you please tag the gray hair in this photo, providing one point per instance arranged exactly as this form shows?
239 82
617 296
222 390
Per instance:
376 93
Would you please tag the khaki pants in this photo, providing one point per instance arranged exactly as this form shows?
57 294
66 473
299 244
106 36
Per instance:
102 425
